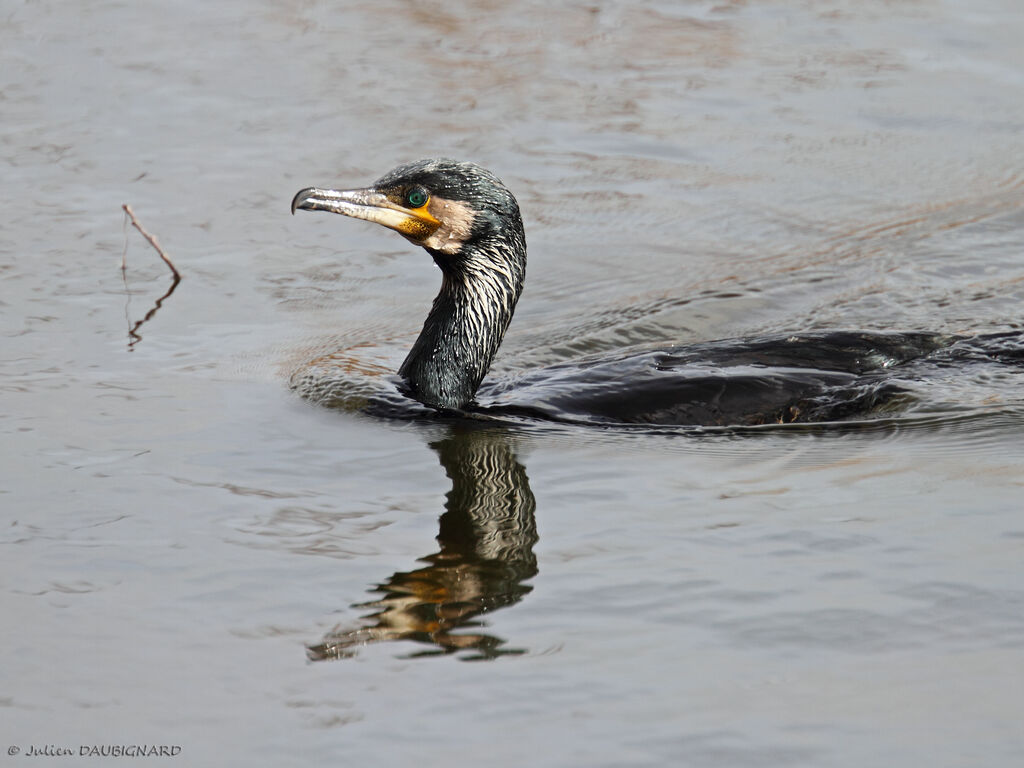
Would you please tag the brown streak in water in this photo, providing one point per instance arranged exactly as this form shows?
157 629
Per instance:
345 360
240 490
763 492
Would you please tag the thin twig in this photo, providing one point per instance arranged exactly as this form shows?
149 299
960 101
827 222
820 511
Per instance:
152 241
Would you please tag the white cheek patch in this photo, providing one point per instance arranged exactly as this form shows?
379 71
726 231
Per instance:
456 225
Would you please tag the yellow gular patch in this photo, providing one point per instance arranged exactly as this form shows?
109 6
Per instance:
418 224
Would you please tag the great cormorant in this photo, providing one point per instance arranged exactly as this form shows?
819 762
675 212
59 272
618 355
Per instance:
469 222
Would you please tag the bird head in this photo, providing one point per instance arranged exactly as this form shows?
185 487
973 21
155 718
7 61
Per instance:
442 205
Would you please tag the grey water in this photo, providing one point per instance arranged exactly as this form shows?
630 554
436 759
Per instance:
194 556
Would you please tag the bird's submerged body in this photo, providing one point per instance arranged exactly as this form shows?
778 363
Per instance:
768 380
470 224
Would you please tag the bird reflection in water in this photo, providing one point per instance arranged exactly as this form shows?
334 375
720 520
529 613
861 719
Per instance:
486 538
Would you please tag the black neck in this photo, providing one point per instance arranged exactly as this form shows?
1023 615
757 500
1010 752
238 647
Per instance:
466 324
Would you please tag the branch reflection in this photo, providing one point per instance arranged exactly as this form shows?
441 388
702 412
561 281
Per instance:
486 538
134 337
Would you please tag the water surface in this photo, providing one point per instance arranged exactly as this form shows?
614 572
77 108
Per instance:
193 555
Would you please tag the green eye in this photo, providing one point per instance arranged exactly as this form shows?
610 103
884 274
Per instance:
416 198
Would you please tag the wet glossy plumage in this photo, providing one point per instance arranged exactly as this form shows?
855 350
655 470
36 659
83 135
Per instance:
822 376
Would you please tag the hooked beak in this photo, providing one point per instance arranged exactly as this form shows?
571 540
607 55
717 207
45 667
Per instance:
371 205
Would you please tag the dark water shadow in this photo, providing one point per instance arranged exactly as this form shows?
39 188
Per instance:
486 539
